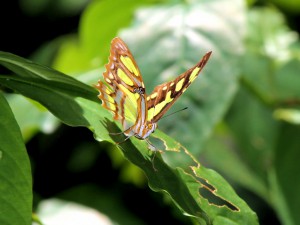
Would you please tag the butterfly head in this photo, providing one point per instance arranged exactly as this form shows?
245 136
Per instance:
146 130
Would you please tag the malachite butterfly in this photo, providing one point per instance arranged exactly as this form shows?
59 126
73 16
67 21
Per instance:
123 92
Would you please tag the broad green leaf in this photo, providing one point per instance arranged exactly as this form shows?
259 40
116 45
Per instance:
287 80
198 192
269 85
176 38
28 69
285 180
36 118
52 86
220 155
71 58
101 21
257 140
269 34
15 173
270 48
258 78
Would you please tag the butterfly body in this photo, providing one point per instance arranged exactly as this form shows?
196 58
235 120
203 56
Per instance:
123 92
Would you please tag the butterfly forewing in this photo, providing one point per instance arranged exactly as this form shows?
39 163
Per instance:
123 88
165 95
122 67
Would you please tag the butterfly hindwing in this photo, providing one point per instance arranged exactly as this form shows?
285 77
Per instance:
165 95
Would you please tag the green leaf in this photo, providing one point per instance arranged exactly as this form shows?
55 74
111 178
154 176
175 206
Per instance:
71 57
15 173
270 48
284 179
177 37
257 143
287 80
198 192
36 119
62 8
100 22
269 34
258 139
288 115
292 6
50 85
221 156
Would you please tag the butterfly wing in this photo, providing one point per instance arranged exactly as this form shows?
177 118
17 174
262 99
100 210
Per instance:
123 86
165 95
122 68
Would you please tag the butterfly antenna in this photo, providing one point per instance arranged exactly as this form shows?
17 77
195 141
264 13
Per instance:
152 161
175 112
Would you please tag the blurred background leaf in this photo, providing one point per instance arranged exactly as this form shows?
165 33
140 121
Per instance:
185 33
269 86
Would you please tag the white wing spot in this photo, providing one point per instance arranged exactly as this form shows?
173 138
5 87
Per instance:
111 76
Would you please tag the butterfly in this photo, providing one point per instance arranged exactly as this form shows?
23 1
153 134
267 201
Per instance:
123 93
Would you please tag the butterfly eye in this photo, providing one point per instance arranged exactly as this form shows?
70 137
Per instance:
139 90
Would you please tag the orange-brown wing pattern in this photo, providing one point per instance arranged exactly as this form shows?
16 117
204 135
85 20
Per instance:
164 95
118 103
122 68
123 85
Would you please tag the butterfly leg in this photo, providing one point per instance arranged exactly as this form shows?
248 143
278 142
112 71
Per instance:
117 133
125 133
151 146
120 142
